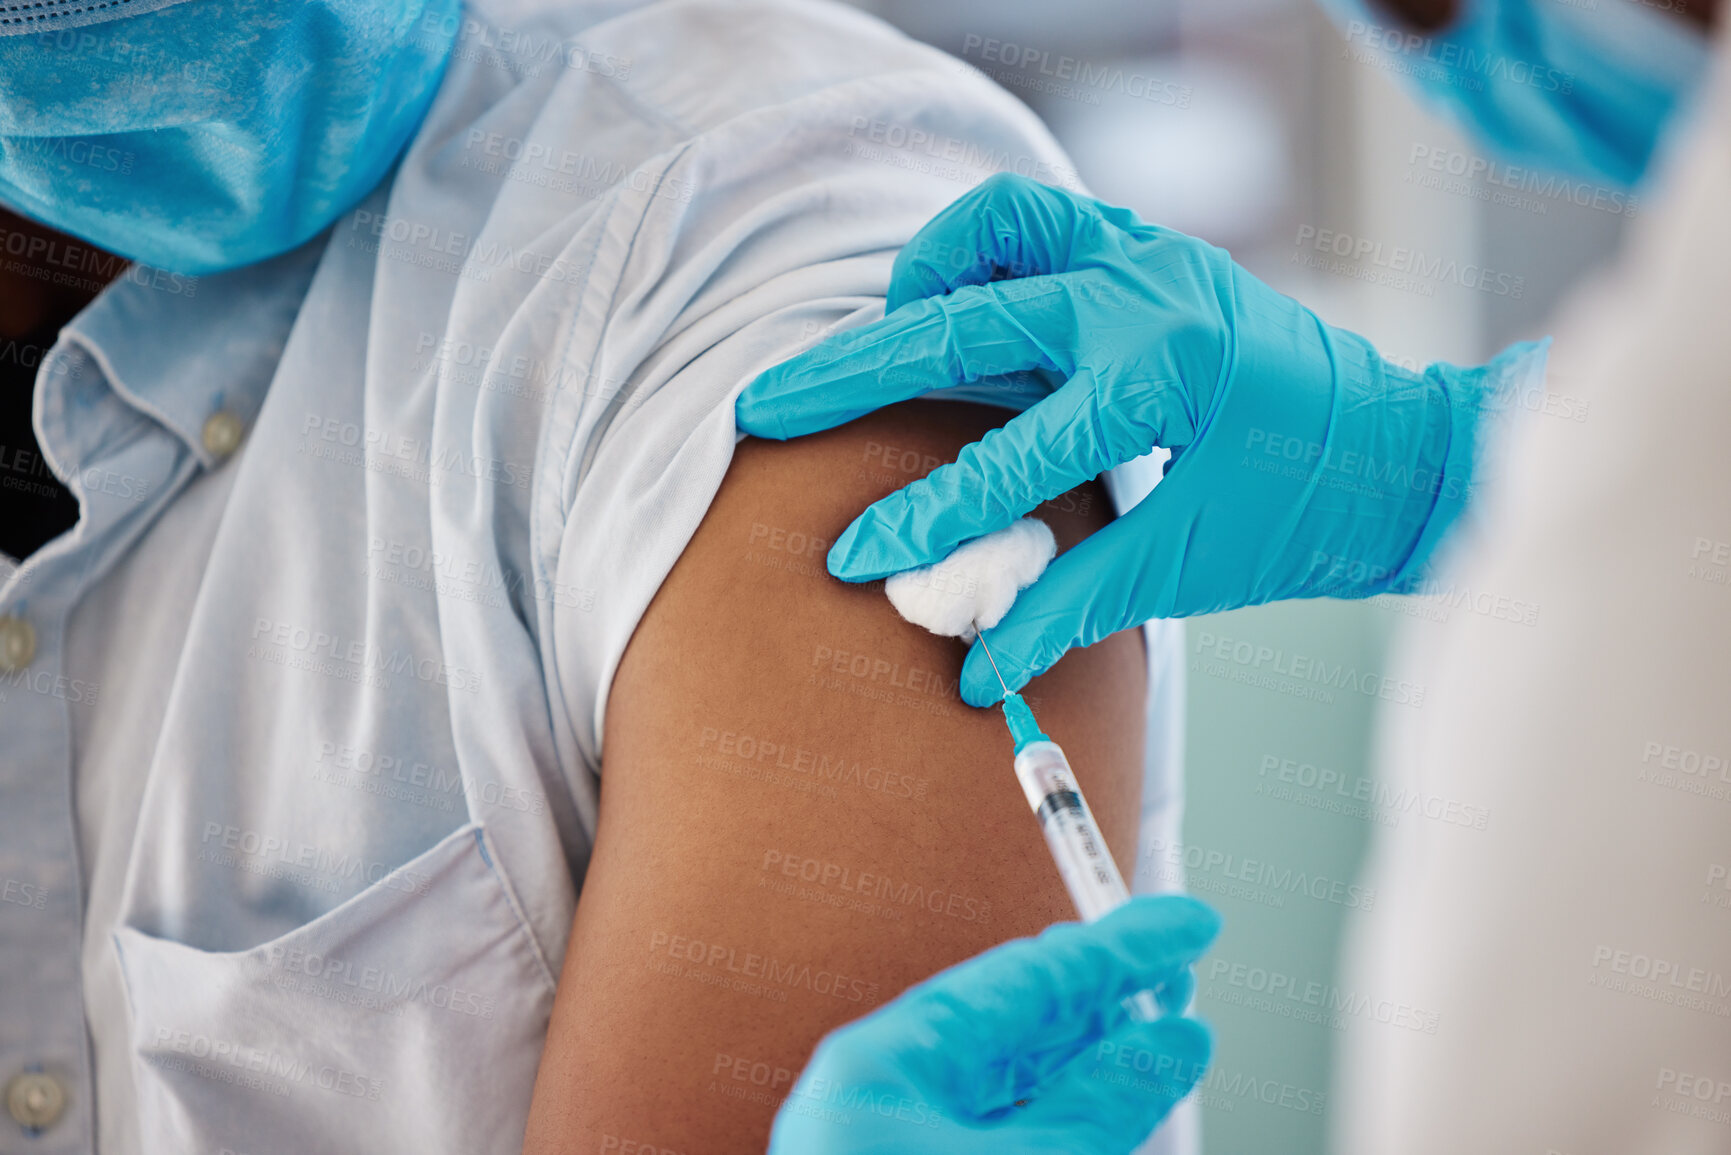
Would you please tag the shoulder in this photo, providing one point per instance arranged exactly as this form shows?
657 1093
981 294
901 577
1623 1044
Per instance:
641 210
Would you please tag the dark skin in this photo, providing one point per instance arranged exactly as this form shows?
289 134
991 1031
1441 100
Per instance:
29 304
35 508
1435 15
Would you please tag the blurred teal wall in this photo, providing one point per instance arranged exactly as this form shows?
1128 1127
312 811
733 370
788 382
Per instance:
1274 840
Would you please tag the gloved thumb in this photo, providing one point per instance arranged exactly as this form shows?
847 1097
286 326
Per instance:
1006 226
1050 448
1119 577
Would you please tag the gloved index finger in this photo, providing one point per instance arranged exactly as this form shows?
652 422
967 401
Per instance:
1048 449
974 334
1006 226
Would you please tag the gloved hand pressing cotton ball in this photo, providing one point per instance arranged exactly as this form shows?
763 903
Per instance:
977 583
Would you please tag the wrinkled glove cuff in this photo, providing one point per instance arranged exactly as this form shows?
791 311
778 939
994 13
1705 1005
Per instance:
1482 401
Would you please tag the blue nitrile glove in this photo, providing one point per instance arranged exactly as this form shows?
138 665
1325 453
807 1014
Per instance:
1037 1022
1303 463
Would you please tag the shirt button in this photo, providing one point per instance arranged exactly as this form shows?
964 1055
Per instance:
35 1100
17 643
222 433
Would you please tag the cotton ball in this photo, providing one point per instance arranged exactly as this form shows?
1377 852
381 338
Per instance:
976 583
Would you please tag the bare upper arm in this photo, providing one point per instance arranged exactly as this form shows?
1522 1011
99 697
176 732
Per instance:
799 816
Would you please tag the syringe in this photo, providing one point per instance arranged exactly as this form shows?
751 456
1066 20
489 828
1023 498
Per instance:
1084 862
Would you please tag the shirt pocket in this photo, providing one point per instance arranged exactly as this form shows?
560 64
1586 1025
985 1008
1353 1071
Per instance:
410 1018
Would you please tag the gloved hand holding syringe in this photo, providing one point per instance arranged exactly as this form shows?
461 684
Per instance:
1031 1022
1084 862
973 588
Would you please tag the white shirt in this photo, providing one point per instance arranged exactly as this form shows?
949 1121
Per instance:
299 778
1574 954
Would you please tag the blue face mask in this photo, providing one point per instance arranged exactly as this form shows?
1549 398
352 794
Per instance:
1582 91
198 135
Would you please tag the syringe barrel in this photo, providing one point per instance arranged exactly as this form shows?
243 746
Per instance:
1084 862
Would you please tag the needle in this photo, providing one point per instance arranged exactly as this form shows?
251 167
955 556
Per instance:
1084 862
989 658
